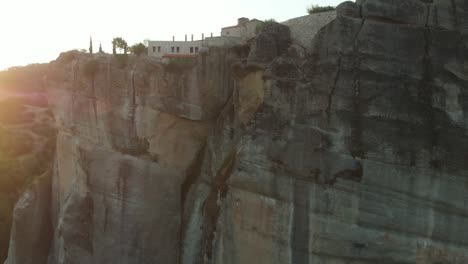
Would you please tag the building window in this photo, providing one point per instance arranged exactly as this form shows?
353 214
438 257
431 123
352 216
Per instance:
159 49
178 49
172 49
227 32
191 49
196 49
154 49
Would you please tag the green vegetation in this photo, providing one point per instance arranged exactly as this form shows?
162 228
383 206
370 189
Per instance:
24 155
266 23
19 159
319 9
138 49
120 44
19 165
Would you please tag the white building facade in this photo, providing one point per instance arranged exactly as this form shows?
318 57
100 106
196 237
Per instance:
160 49
230 36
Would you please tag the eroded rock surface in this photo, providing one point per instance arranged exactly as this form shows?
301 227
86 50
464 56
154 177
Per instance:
130 134
31 231
358 152
350 150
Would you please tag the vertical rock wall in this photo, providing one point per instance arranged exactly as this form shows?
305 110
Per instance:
358 151
349 150
130 133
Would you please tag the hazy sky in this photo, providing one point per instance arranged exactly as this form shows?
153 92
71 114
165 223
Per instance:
38 30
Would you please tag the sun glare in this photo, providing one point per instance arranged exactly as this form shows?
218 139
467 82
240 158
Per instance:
46 28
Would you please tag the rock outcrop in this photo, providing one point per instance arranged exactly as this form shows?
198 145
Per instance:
352 150
31 231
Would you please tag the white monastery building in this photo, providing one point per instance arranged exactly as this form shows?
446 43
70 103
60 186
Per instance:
164 48
243 31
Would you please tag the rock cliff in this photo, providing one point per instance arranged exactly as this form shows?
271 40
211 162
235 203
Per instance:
351 150
130 132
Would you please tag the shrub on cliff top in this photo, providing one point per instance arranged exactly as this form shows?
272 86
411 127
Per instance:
264 24
138 49
319 9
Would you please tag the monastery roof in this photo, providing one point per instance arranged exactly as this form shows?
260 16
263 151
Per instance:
231 27
252 20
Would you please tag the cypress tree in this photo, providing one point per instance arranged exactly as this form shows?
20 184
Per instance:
100 48
90 45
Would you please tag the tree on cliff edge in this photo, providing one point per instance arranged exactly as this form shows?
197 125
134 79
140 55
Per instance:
138 49
119 43
90 45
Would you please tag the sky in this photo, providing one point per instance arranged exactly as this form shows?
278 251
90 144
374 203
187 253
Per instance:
35 31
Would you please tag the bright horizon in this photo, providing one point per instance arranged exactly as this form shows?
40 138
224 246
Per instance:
37 31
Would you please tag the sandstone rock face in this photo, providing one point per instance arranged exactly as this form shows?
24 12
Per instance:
357 154
130 133
350 150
